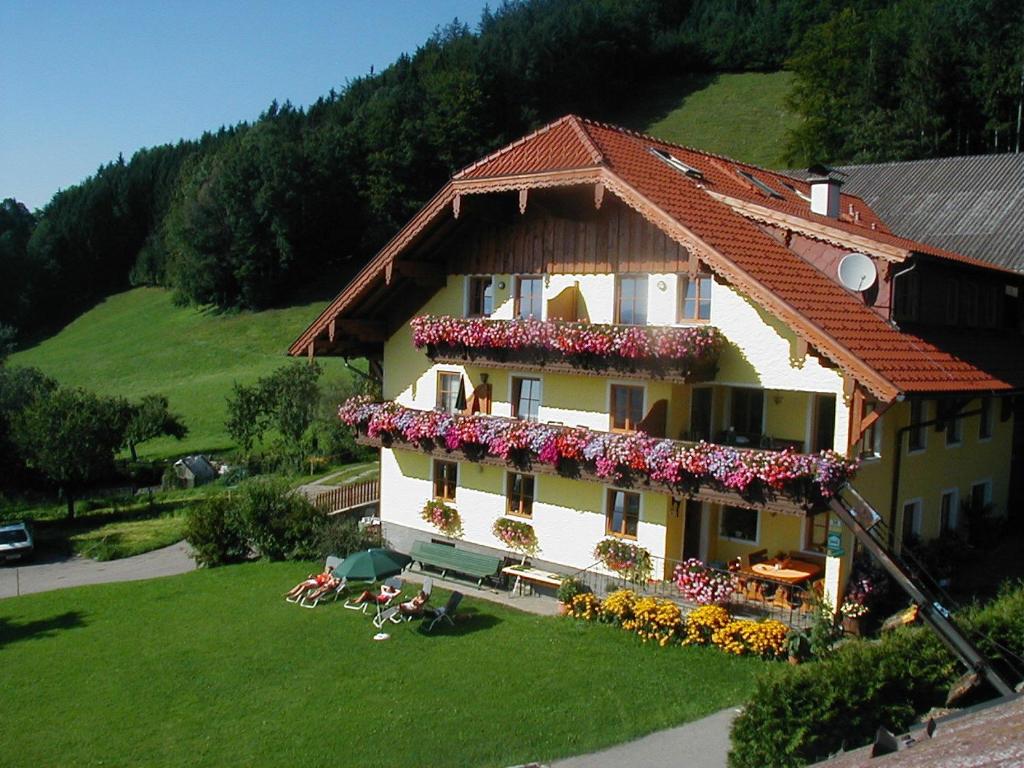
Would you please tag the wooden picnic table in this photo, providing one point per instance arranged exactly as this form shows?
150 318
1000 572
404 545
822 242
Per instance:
786 570
531 576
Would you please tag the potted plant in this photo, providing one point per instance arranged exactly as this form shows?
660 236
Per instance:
631 561
446 519
517 536
798 644
567 590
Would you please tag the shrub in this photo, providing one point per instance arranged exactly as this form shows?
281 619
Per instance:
278 523
215 533
569 588
618 606
343 536
702 623
586 606
657 619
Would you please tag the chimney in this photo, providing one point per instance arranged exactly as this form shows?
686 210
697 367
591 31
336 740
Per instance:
825 183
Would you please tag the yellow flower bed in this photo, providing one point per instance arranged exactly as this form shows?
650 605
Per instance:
586 606
656 619
618 606
766 639
702 623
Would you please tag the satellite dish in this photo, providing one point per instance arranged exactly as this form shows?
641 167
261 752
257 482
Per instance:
857 272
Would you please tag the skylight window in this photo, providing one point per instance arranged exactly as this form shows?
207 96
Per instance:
759 184
676 163
796 191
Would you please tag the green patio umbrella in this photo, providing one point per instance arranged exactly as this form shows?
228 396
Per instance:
372 565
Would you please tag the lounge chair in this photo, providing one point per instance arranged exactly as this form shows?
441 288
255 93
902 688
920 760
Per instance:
446 611
323 594
389 590
331 564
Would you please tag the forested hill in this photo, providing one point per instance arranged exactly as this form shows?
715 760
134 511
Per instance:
242 216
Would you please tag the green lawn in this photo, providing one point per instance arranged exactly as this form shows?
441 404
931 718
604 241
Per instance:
742 115
136 343
214 668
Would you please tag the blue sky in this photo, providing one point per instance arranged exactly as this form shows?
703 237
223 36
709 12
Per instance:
83 81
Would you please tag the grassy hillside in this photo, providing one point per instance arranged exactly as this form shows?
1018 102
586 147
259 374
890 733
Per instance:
742 116
138 342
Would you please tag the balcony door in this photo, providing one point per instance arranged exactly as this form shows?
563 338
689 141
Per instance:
746 415
694 541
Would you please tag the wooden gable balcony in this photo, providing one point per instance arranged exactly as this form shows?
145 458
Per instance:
675 354
783 482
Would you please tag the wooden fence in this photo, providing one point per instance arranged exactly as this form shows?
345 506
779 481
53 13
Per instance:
348 497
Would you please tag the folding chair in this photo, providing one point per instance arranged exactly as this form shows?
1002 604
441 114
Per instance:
446 611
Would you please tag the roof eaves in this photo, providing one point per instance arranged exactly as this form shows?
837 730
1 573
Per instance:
842 356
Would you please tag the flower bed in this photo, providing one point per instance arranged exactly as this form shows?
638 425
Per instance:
679 351
618 458
660 620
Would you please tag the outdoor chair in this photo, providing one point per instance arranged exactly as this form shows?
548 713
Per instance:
330 566
389 590
446 611
323 594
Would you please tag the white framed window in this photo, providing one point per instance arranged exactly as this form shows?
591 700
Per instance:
451 392
694 304
524 397
631 299
740 524
949 510
910 525
529 296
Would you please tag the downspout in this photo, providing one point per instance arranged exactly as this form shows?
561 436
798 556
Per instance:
894 499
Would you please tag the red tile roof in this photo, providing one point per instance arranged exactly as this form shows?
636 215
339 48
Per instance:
886 360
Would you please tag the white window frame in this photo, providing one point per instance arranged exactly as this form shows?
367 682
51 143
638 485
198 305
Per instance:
722 536
511 391
681 279
617 290
954 509
605 509
438 370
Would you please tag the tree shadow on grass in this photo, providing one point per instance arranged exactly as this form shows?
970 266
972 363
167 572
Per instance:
13 632
466 621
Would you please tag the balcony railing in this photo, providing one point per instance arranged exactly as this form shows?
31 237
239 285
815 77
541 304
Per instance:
678 354
786 482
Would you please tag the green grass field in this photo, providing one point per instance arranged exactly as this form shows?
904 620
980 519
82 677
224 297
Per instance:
214 668
136 343
741 115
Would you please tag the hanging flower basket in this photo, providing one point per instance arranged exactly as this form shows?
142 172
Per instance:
516 535
630 561
446 519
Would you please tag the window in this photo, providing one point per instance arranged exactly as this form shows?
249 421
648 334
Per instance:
871 442
985 424
954 431
631 300
918 435
627 407
481 297
529 297
816 532
519 494
700 414
451 396
911 524
623 513
981 496
676 163
695 298
525 398
948 508
824 422
446 478
746 414
907 299
969 305
739 523
759 184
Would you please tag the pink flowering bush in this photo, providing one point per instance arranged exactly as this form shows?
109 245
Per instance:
702 585
681 350
446 519
516 535
620 458
632 561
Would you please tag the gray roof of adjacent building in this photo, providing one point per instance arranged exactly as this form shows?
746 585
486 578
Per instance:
971 205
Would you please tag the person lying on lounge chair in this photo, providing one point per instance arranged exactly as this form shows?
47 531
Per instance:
415 606
317 592
313 581
386 595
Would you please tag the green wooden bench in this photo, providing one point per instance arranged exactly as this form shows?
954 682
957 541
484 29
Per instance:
448 558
